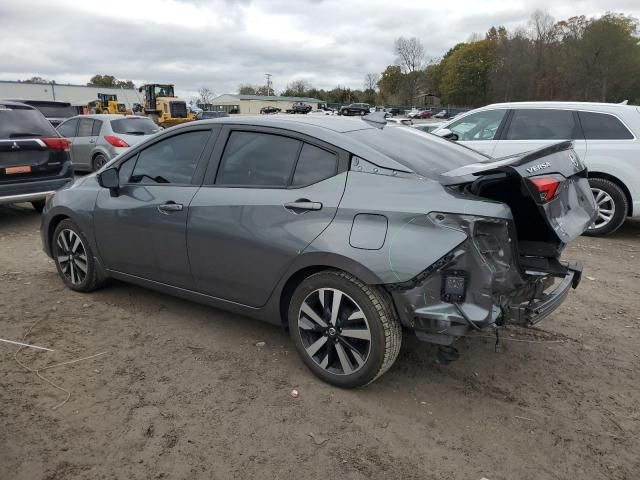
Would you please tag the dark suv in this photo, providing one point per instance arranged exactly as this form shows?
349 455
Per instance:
355 109
34 158
301 107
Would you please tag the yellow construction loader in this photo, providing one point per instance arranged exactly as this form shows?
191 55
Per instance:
107 103
163 107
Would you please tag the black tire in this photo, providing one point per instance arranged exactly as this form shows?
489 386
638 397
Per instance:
38 205
98 162
379 317
87 282
613 195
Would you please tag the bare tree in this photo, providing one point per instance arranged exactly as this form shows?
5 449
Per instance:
205 96
542 27
298 87
371 82
410 52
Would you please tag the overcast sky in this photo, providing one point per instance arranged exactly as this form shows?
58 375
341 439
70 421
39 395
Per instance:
223 43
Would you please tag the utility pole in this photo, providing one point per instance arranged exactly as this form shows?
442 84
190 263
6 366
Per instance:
268 75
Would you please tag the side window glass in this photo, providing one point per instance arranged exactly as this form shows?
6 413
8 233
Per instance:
172 160
85 127
478 126
97 125
126 169
314 165
68 129
252 158
542 124
601 126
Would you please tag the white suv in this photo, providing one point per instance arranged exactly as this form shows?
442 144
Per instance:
606 137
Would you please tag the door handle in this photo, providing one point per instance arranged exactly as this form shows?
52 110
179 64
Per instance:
92 141
302 204
170 207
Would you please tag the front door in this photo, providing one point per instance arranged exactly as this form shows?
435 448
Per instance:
274 193
142 230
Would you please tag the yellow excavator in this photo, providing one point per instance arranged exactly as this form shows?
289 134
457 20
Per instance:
107 103
163 107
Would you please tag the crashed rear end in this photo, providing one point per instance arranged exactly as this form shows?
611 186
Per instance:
508 270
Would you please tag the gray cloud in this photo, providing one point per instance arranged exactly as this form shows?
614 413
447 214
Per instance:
327 42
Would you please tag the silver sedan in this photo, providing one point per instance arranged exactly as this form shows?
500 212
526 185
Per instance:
96 139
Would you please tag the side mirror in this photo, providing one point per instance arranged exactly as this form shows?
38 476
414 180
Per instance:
109 179
446 133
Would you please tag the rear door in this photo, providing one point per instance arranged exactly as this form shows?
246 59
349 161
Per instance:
529 129
479 130
83 144
142 230
273 194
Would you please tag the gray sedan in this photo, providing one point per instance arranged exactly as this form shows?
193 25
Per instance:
344 230
96 139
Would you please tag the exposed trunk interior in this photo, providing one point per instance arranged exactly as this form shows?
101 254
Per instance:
537 245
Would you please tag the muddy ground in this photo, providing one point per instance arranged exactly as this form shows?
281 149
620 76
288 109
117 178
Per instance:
183 392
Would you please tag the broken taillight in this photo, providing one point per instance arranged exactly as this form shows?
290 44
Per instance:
547 186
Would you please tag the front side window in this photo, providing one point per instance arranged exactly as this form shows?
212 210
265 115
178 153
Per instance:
85 127
478 126
601 126
257 159
542 124
170 161
68 129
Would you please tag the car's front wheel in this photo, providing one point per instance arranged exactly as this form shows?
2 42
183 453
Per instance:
346 332
74 258
612 207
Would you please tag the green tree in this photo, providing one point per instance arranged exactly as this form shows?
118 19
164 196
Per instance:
109 81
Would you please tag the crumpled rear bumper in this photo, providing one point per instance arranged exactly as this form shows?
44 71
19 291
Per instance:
533 312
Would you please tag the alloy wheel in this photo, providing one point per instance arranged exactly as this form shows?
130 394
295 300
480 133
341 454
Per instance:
72 256
100 162
606 208
334 331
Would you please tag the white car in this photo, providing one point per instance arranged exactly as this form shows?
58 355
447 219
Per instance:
606 137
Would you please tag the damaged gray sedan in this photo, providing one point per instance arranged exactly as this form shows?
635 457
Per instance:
344 230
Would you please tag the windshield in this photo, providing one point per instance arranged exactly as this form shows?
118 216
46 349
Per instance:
163 90
422 152
24 122
134 126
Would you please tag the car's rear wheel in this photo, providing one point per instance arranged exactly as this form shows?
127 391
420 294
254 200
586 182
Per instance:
74 258
99 161
346 332
612 207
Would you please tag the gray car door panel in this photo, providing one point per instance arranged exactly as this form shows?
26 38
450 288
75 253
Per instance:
142 230
83 144
245 238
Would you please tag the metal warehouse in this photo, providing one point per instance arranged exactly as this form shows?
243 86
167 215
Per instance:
73 94
251 104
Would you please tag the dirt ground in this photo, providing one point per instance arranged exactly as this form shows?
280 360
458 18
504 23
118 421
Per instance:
183 392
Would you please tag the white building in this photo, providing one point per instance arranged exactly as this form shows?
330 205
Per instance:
76 95
251 104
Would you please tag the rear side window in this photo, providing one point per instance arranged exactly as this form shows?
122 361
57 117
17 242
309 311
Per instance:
314 165
68 129
24 122
601 126
542 124
134 126
172 160
258 159
85 127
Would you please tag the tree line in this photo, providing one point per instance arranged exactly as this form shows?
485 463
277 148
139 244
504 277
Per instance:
580 58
